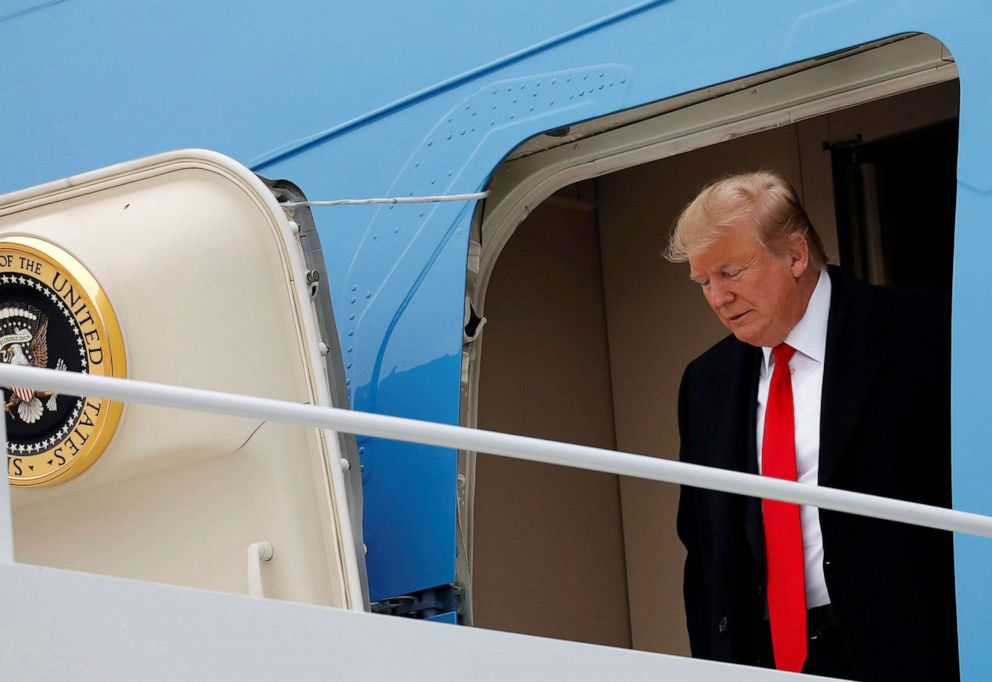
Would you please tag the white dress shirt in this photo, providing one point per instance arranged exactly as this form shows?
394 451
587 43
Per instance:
809 338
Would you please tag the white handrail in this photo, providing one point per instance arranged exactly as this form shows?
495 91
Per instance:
490 442
257 553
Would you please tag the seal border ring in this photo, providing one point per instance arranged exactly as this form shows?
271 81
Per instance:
114 363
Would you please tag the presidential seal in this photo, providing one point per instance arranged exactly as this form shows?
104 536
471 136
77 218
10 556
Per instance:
54 314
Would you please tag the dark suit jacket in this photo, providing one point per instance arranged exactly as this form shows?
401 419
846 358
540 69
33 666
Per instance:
884 430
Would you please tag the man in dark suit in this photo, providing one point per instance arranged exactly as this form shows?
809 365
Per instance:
831 382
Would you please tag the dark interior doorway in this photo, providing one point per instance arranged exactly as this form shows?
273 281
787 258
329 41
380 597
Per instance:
895 201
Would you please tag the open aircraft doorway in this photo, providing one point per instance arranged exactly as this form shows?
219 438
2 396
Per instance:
587 328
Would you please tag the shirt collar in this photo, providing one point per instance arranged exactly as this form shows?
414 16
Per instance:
809 336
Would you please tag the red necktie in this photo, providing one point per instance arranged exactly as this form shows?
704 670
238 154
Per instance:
783 530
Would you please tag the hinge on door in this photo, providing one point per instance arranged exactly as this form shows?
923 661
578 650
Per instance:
473 322
313 281
422 605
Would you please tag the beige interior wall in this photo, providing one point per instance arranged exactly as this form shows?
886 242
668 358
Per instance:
548 542
658 320
894 115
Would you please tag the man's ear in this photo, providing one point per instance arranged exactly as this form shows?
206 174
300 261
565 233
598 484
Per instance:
798 254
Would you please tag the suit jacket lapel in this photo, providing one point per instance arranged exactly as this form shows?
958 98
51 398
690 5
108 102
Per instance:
754 523
733 446
852 358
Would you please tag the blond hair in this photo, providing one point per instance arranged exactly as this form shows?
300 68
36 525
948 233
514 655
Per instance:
764 198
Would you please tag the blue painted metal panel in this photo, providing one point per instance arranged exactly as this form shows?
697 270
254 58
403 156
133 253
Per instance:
971 378
87 84
373 99
448 617
394 307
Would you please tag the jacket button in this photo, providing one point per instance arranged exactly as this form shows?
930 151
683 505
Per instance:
723 624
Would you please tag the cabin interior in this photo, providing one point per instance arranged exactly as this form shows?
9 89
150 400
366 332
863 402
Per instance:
588 330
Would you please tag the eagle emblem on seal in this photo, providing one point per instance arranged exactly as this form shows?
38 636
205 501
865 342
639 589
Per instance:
24 342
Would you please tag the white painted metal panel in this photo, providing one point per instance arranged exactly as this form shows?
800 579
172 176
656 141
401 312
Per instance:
60 625
208 281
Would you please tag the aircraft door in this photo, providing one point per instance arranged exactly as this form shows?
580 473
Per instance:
183 269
